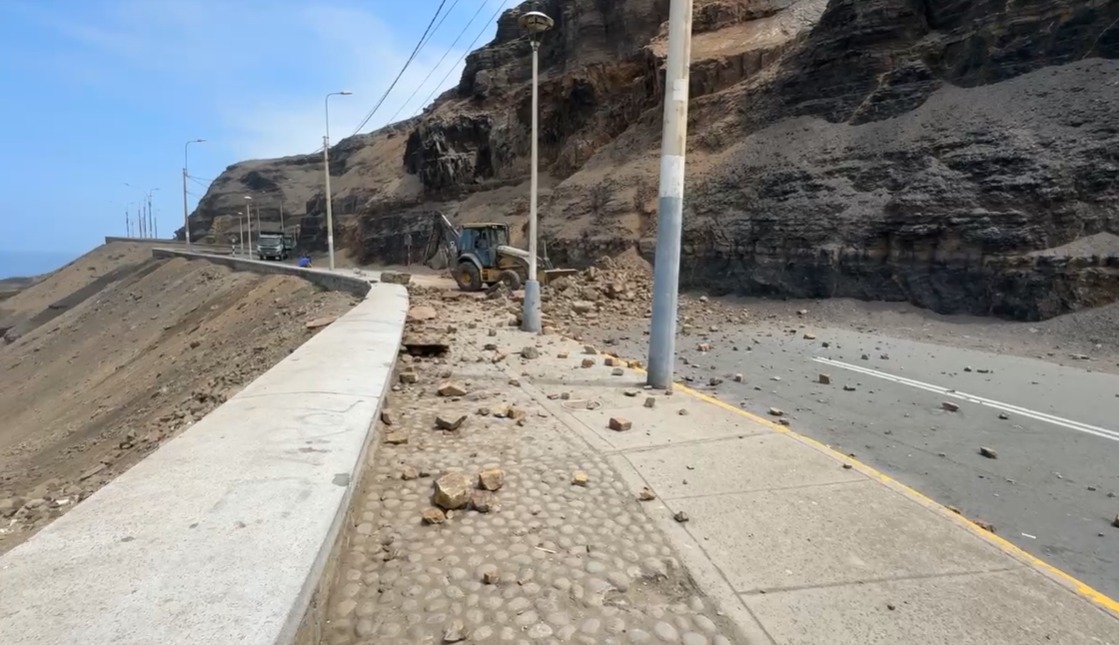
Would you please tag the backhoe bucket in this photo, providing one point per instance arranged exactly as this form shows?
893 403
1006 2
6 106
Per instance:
549 275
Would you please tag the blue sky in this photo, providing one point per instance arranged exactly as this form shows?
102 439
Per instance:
98 93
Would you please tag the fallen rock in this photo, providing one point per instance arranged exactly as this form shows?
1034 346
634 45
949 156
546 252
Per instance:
582 307
455 632
409 377
434 516
449 423
484 501
580 478
617 371
631 393
491 479
988 453
704 347
646 495
810 337
530 352
396 438
319 323
610 361
451 389
714 381
949 406
490 576
618 424
561 355
986 526
396 277
681 517
1115 522
824 379
650 402
848 388
777 412
408 473
1003 416
420 313
588 362
682 412
452 490
738 378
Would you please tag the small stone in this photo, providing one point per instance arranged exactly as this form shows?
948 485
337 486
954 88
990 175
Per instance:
738 378
776 412
967 369
631 393
449 423
847 466
451 389
986 526
387 418
650 402
714 381
704 347
491 479
396 438
455 632
434 515
865 357
802 312
582 307
609 361
810 337
580 478
407 378
1115 522
988 453
588 362
681 517
490 576
492 332
408 473
890 606
949 406
682 412
619 424
1003 416
617 371
824 379
561 355
848 388
646 494
954 510
530 352
885 357
452 490
590 350
319 323
484 501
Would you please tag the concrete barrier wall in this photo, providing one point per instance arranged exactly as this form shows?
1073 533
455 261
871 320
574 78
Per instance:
333 281
224 533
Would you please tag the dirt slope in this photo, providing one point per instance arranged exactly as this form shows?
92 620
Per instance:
90 389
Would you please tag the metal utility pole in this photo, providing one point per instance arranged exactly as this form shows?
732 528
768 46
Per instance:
140 219
282 229
127 224
535 23
326 170
241 231
186 174
670 206
249 221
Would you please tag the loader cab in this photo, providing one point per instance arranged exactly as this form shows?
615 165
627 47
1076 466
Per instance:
482 240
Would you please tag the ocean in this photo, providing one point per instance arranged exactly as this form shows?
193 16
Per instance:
24 264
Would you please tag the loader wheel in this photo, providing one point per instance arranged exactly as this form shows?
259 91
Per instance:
510 279
468 277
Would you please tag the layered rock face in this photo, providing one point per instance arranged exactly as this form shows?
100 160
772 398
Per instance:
922 150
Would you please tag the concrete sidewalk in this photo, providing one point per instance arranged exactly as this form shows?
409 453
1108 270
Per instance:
797 543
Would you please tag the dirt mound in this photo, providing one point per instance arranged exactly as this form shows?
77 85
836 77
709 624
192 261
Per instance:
92 387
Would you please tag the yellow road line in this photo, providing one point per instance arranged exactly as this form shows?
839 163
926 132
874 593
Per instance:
1097 597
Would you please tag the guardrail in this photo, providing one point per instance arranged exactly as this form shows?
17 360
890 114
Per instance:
225 533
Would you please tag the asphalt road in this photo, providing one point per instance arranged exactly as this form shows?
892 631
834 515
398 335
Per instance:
1054 487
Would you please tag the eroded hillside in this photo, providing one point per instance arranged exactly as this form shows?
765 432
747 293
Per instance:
884 149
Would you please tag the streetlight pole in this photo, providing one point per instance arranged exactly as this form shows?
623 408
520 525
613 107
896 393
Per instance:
670 206
186 173
535 23
241 231
326 170
249 221
151 216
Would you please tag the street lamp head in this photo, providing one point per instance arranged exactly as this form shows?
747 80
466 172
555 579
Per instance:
345 92
249 197
535 23
199 141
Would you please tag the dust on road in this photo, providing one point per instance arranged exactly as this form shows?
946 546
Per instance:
116 353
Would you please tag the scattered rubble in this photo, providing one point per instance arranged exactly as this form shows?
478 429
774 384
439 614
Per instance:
449 424
530 352
491 479
451 390
619 424
396 438
580 478
319 323
452 490
646 494
988 453
680 516
434 515
823 379
950 406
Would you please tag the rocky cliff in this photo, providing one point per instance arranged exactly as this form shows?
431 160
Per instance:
922 150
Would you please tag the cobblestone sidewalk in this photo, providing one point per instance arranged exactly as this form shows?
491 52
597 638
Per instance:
563 552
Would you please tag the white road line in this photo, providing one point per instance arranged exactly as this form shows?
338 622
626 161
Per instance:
972 398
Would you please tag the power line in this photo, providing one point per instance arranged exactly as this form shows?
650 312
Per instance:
481 5
402 69
469 48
